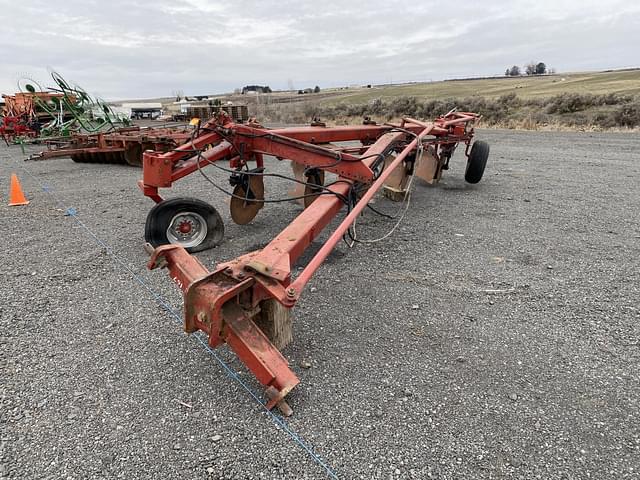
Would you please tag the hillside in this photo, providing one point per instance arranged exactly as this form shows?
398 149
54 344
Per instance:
624 82
601 100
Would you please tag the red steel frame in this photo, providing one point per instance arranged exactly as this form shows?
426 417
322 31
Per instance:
222 303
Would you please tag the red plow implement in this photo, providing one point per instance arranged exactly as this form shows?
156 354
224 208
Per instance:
245 302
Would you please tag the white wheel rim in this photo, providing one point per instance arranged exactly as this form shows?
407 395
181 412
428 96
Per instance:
187 229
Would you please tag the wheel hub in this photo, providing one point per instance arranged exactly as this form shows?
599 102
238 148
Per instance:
187 229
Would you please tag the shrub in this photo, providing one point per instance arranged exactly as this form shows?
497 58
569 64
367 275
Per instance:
606 111
604 120
628 115
509 100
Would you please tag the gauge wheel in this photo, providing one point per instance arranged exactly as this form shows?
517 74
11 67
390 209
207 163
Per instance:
188 222
477 162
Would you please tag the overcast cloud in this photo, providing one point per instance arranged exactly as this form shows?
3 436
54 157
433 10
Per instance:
135 49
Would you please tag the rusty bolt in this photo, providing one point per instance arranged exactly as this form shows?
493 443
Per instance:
203 318
240 275
228 270
291 292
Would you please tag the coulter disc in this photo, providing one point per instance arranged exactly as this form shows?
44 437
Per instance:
244 207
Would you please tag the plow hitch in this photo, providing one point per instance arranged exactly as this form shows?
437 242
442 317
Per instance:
219 303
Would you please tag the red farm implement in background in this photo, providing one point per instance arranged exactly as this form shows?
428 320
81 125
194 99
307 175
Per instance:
12 127
245 301
124 145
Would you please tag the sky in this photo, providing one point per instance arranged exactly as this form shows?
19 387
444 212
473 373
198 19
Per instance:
145 49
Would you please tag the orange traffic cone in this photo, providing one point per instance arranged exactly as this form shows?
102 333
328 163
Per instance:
16 195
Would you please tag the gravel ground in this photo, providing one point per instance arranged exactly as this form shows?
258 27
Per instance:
495 335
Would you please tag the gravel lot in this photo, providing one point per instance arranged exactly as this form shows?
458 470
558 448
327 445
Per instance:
495 335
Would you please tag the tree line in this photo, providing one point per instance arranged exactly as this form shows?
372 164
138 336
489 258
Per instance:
532 68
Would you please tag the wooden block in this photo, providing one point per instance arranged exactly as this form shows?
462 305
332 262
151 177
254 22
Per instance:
275 322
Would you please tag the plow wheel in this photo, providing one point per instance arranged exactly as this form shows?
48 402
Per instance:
477 161
245 205
313 177
188 222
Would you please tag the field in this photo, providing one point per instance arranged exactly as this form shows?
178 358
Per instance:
494 335
600 100
596 83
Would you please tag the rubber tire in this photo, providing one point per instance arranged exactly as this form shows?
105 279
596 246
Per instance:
477 161
159 217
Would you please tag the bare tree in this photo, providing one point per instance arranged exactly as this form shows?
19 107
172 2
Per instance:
178 95
530 68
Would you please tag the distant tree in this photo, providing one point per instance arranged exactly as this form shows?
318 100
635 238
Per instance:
507 72
541 68
178 94
530 68
514 71
317 89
